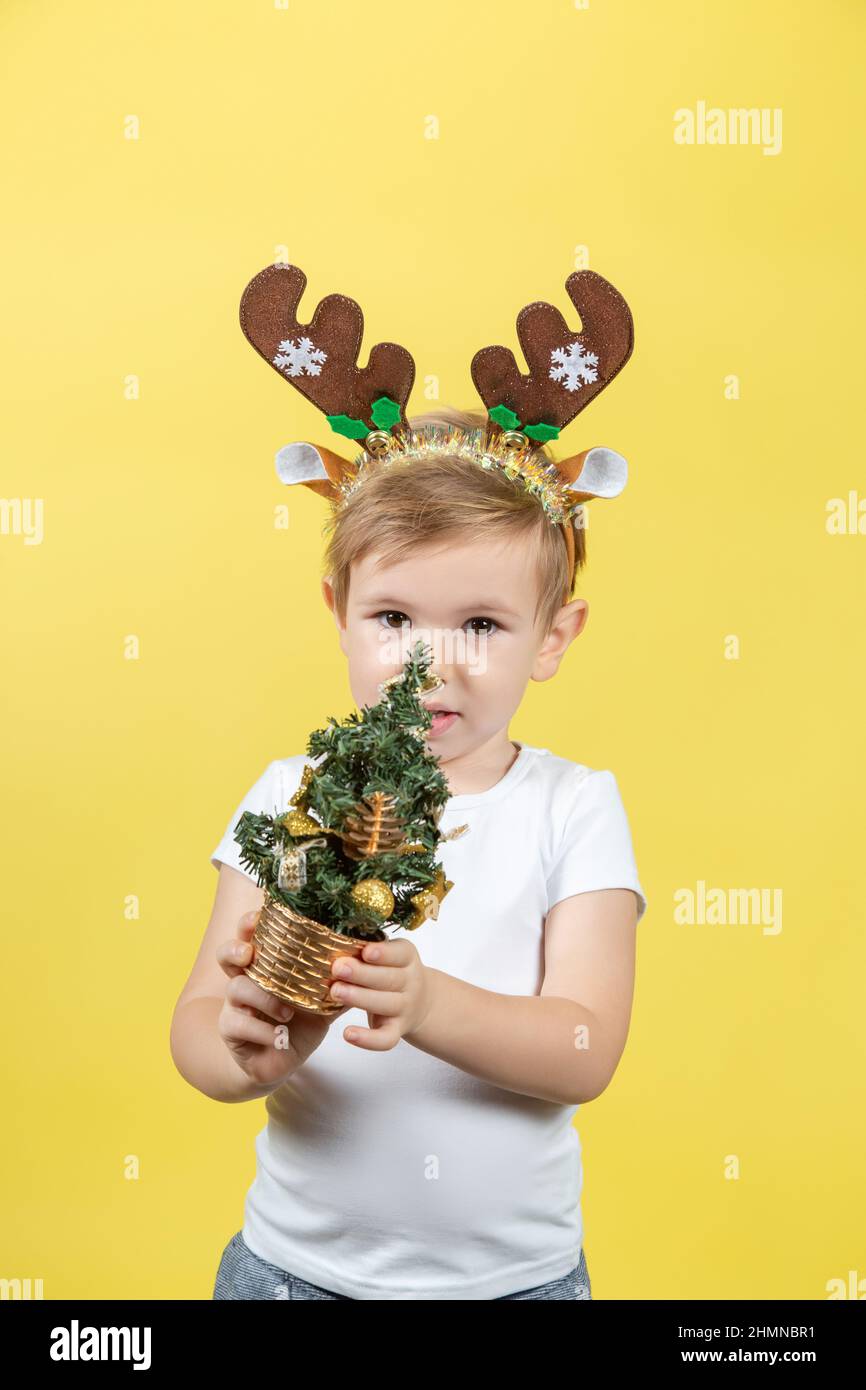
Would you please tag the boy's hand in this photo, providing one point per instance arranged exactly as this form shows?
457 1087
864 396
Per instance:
389 981
268 1038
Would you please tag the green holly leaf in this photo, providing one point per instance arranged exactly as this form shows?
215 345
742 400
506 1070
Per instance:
541 431
504 417
385 413
344 424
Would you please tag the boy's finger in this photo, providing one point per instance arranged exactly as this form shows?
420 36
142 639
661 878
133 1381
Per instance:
240 950
235 954
247 924
243 991
226 959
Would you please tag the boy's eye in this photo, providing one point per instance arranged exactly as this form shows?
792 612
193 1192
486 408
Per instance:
485 632
393 613
388 613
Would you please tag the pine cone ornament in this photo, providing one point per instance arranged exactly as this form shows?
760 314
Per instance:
372 828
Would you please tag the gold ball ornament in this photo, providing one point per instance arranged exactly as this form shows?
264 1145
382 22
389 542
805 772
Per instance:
299 823
374 896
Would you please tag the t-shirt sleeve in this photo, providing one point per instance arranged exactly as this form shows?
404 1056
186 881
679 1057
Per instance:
595 849
263 797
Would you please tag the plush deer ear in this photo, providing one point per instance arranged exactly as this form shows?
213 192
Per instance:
597 472
317 468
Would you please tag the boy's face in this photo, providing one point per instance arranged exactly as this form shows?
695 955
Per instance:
473 604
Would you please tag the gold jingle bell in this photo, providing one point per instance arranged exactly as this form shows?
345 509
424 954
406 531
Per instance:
378 442
430 683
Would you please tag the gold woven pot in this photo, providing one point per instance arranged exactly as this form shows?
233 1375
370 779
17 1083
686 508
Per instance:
293 955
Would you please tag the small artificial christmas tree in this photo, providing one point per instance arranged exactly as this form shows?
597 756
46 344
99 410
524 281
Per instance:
355 853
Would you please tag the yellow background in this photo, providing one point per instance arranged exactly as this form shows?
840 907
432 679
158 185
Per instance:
304 128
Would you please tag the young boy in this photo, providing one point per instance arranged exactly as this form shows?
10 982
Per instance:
432 1154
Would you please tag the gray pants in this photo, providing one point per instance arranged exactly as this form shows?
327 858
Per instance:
242 1274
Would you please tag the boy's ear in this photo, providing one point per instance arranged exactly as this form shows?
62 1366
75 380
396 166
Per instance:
328 595
576 613
568 624
328 592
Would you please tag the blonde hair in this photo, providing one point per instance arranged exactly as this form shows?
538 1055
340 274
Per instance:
440 499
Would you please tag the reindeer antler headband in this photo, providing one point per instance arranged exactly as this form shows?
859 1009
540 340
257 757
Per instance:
567 371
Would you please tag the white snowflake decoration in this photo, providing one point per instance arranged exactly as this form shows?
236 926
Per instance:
297 358
572 363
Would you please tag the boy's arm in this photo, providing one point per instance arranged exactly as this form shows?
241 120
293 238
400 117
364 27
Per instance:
564 1044
197 1049
201 1056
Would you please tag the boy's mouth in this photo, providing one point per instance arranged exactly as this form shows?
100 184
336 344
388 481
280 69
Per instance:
442 721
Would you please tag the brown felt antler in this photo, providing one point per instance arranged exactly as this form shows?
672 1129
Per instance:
320 358
567 369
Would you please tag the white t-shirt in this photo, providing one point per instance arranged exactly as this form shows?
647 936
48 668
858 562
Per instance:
395 1175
